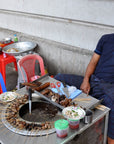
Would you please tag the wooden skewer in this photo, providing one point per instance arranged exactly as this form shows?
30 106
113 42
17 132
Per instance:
3 129
2 108
13 133
102 106
4 103
26 138
1 126
37 131
97 107
82 99
47 134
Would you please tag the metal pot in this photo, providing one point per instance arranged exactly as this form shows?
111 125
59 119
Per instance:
6 40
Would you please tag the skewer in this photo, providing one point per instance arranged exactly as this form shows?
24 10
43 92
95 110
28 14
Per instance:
82 99
37 131
13 133
3 129
100 108
6 132
1 126
47 134
2 108
26 138
2 103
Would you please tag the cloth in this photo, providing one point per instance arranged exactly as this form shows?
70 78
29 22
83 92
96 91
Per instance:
72 96
105 66
102 90
70 79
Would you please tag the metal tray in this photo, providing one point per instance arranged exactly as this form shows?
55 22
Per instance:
91 104
22 47
44 79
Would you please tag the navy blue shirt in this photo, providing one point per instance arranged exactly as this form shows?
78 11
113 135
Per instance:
105 66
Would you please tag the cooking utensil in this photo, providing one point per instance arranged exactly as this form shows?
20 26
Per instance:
30 100
88 117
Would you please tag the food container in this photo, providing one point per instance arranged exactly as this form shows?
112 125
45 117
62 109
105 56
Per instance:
74 124
61 127
88 117
73 113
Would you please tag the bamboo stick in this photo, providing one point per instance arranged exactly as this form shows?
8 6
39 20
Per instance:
82 99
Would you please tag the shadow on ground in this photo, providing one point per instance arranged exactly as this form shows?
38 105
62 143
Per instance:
11 78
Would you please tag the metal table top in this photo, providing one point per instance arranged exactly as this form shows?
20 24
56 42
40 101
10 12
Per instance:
8 137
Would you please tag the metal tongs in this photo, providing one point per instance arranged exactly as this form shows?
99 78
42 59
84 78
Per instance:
30 100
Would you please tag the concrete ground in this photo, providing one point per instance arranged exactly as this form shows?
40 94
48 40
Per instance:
11 77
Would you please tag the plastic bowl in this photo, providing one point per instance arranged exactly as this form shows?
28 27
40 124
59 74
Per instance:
74 124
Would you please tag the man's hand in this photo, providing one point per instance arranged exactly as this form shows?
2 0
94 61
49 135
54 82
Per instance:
85 87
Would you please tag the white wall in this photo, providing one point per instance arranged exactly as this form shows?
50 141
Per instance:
77 23
97 11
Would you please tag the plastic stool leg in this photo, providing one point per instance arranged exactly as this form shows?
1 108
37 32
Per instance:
4 72
15 64
2 83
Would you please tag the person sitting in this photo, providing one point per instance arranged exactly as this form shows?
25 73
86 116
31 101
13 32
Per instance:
99 78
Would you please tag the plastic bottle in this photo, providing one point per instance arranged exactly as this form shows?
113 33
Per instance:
15 38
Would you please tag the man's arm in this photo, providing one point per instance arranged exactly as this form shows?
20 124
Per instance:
85 86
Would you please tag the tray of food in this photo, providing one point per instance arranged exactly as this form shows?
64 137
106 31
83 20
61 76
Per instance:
19 47
8 96
73 113
43 87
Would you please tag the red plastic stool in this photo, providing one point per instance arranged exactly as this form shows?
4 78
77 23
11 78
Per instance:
4 61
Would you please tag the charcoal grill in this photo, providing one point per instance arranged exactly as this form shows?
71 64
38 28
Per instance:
43 113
